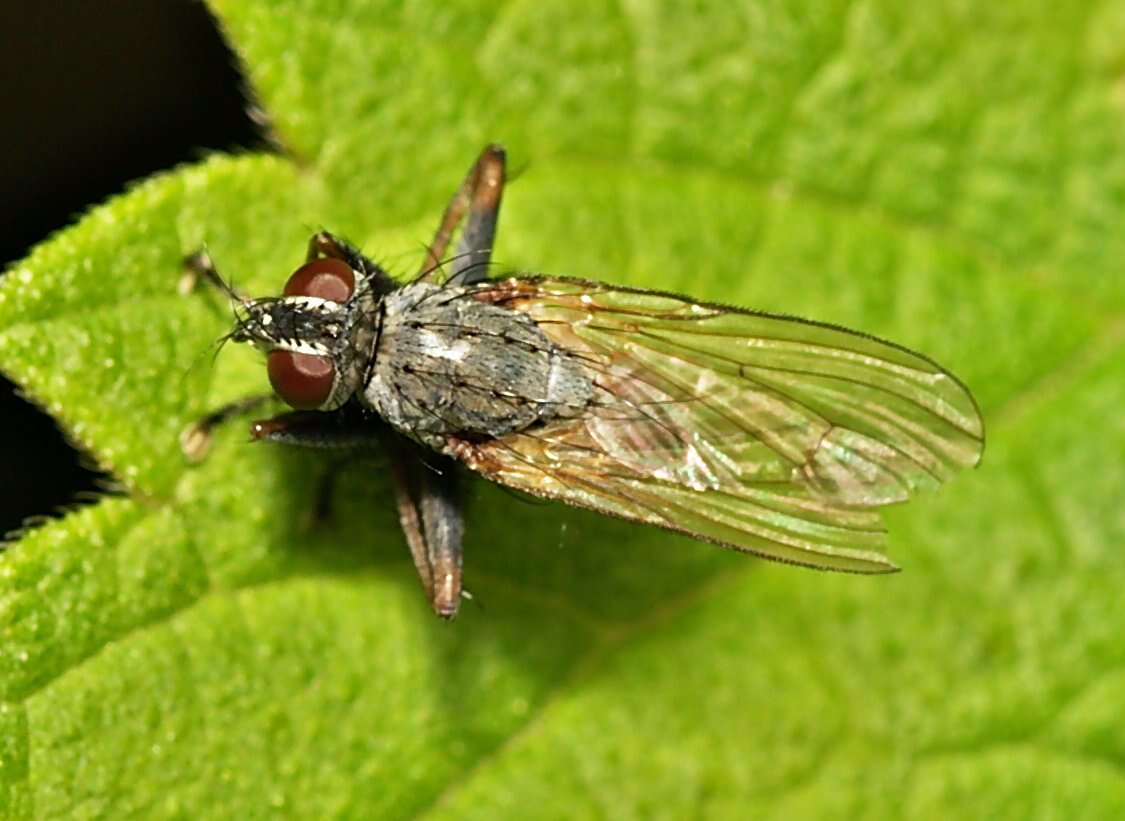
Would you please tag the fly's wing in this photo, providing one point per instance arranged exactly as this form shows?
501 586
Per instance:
769 434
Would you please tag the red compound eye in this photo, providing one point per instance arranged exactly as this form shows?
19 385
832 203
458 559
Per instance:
325 278
302 380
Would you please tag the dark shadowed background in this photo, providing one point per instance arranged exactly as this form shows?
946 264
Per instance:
94 95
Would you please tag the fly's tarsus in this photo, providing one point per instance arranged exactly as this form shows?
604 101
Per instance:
195 438
199 265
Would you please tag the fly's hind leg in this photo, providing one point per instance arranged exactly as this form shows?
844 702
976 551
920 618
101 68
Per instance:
429 510
477 203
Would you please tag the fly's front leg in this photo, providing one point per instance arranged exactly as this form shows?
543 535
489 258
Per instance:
478 198
195 438
429 510
200 266
324 244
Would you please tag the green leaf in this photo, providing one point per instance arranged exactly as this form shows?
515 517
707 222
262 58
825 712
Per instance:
953 180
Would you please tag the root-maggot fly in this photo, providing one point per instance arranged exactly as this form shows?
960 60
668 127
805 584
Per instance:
768 434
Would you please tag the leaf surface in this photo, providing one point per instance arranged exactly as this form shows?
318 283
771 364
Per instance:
953 181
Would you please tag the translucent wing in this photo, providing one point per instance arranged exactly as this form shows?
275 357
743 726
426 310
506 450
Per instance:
768 434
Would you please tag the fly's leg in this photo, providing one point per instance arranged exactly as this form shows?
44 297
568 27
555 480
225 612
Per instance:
429 510
335 430
426 487
478 199
474 251
200 266
426 492
324 244
195 439
322 431
325 492
476 202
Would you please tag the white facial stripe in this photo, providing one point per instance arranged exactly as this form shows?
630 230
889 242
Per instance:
299 346
312 303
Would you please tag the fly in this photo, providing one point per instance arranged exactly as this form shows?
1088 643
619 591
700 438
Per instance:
772 435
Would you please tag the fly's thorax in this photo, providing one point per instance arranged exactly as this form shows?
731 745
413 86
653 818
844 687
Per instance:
449 364
317 336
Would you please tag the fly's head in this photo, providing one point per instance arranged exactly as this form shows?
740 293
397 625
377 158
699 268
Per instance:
314 335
